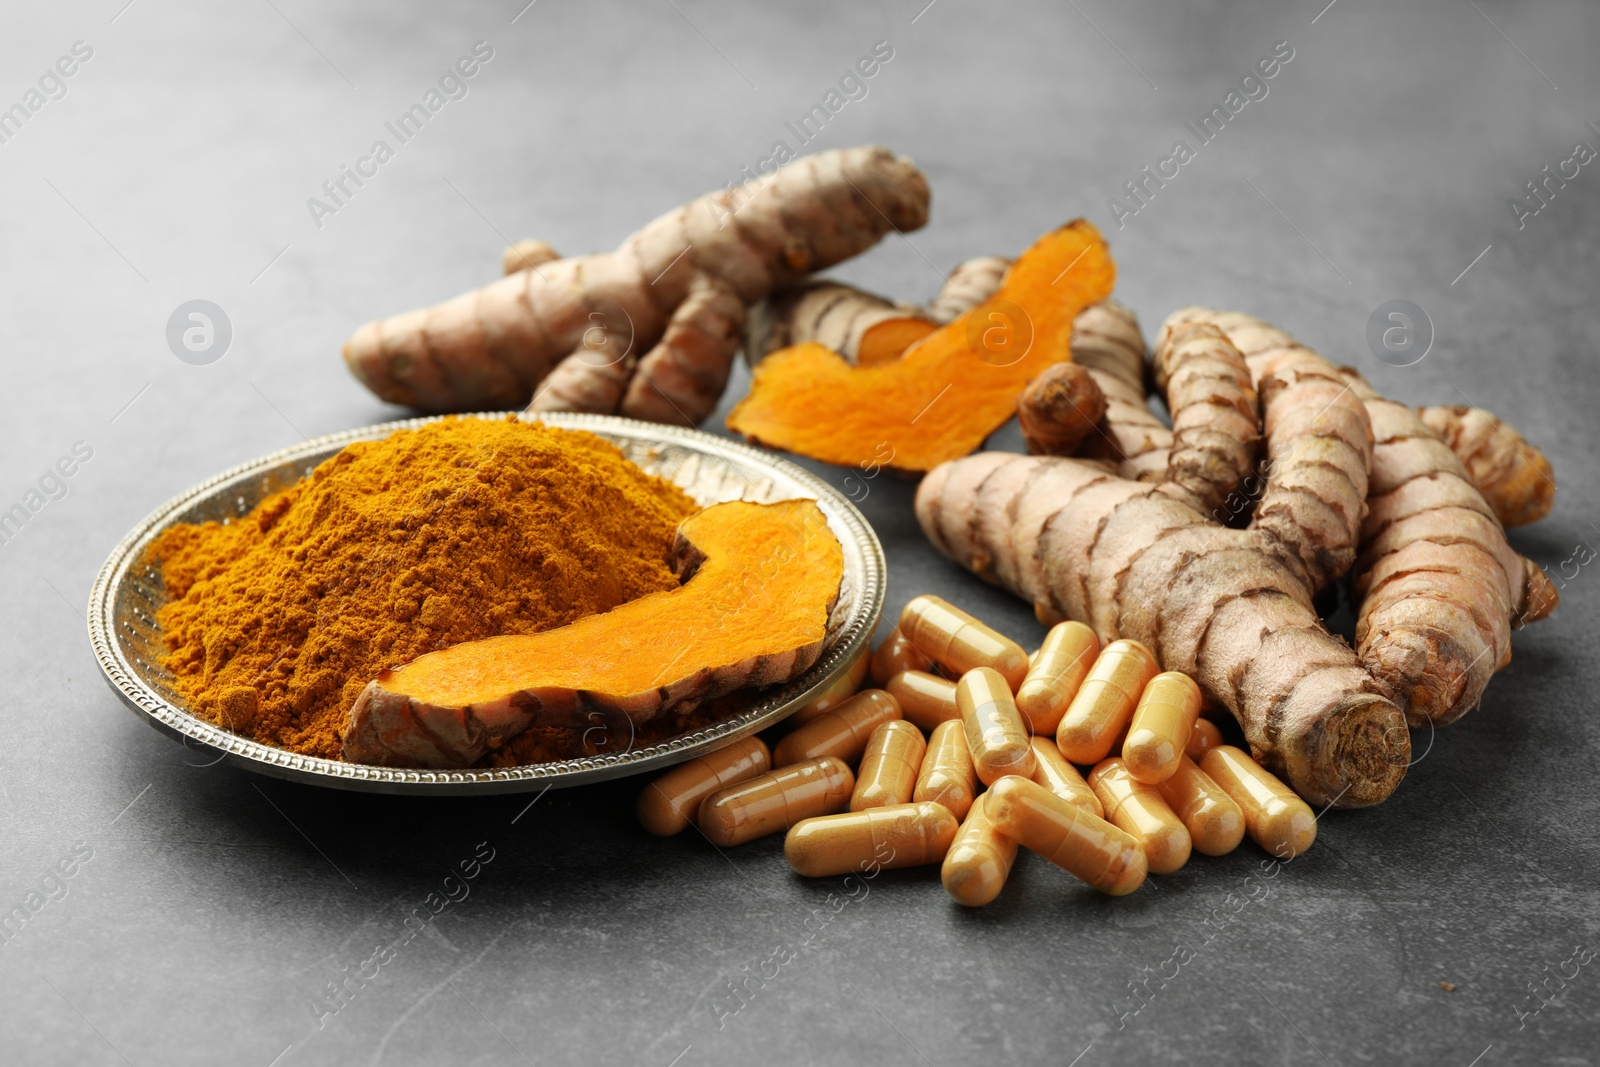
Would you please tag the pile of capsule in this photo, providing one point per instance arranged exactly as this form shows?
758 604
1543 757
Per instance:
962 772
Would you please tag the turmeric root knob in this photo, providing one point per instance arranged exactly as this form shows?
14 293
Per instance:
1514 476
1059 409
525 255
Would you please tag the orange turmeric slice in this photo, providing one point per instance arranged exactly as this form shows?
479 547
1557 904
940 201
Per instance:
759 583
951 389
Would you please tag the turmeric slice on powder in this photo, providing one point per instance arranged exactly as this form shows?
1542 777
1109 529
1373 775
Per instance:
950 390
459 530
759 583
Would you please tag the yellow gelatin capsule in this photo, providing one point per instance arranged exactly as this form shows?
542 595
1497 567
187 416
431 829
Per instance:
775 801
958 642
835 692
841 732
902 835
1052 771
897 654
925 699
890 766
1138 809
1058 670
1215 823
996 737
1073 839
1162 722
979 861
1203 737
1275 816
1105 702
947 777
669 804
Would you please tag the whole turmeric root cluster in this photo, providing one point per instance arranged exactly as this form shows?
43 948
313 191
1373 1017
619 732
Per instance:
651 329
1328 480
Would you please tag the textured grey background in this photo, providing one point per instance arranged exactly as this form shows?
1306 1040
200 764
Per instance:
216 906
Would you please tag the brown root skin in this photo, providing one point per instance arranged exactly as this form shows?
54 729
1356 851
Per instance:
1215 427
1514 476
1319 438
1439 585
759 583
971 283
491 348
1059 409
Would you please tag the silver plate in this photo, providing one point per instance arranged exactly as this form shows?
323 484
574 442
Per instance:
127 641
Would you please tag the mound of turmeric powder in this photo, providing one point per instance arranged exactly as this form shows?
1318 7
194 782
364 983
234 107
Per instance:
459 530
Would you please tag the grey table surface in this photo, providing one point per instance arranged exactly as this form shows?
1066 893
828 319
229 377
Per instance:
208 910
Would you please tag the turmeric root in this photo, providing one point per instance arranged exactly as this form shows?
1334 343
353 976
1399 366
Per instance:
971 283
492 348
759 583
949 391
1513 476
1438 585
1231 608
1060 408
864 327
1107 342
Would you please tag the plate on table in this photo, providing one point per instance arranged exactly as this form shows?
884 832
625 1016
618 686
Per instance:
127 594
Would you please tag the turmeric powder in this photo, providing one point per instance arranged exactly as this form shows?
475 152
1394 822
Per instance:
458 530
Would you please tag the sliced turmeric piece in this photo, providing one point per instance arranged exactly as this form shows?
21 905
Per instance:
948 391
759 583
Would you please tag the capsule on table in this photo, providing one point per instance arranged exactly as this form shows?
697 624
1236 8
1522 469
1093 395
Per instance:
1105 702
996 737
1203 737
1070 837
1275 816
1052 771
1055 674
1215 823
1140 810
902 835
841 732
958 642
897 654
775 801
1162 722
947 777
979 861
669 804
836 692
889 767
925 699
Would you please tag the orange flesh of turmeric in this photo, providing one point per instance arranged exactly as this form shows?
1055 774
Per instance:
890 338
769 578
949 391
